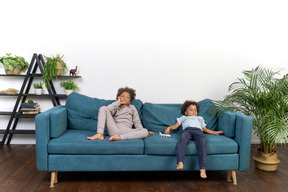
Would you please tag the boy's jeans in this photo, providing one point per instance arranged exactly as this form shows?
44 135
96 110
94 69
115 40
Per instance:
200 142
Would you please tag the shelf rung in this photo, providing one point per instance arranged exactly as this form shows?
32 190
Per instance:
18 131
18 114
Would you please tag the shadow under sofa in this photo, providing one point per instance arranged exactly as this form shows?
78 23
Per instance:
61 143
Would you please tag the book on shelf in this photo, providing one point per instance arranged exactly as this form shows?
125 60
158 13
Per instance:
30 108
30 112
29 105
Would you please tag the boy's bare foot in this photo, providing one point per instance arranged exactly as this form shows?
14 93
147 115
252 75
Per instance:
115 138
180 165
203 173
96 136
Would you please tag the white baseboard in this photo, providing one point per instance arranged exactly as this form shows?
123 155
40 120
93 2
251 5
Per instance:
255 141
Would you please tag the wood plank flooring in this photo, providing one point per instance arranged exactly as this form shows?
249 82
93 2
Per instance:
18 173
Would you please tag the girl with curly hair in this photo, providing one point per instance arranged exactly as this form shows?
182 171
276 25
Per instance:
119 117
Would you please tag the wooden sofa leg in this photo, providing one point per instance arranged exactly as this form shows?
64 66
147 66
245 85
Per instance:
233 174
229 174
54 178
234 177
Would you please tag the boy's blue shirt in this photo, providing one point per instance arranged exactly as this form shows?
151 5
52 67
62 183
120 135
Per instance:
191 121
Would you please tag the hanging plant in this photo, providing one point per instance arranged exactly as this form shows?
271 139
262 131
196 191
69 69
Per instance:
53 67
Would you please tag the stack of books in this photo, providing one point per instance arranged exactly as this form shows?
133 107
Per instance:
30 108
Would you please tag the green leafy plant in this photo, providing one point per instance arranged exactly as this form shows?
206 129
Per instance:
69 85
265 98
50 68
10 63
38 85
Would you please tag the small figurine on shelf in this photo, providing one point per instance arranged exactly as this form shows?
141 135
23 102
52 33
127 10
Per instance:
73 71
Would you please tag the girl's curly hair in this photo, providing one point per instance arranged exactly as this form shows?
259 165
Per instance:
132 92
186 104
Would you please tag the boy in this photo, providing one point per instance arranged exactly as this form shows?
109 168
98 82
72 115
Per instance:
193 128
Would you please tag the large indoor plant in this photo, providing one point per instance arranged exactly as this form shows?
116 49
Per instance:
53 67
264 97
13 65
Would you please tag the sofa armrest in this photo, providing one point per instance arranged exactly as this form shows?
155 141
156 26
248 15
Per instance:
43 130
243 135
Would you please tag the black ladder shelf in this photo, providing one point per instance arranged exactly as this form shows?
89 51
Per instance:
15 115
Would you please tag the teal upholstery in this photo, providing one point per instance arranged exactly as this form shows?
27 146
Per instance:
58 162
157 117
226 123
43 136
156 145
83 110
210 120
75 142
61 143
56 119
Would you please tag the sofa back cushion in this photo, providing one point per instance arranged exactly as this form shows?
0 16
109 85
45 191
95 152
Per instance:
157 117
83 110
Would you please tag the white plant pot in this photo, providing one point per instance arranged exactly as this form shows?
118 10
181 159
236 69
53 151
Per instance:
68 91
38 91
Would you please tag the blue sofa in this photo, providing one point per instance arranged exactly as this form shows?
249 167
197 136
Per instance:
61 143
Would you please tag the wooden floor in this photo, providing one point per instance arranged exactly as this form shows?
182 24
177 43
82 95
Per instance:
18 173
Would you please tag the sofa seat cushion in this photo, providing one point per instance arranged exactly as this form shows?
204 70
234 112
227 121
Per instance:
216 144
75 142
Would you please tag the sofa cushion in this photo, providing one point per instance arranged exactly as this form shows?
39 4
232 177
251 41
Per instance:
75 142
216 144
83 110
157 117
227 123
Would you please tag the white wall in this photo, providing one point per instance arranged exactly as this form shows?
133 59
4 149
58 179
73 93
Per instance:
169 51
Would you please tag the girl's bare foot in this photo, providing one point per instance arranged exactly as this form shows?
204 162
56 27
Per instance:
180 165
96 136
115 138
203 173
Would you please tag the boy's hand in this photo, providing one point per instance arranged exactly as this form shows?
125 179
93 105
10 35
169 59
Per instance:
167 130
150 133
219 132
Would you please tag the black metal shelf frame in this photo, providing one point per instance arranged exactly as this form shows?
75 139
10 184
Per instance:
37 61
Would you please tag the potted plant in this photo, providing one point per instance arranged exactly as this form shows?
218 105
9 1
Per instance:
13 65
38 87
69 86
264 97
53 67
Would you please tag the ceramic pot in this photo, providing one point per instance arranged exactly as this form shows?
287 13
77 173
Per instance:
15 71
68 91
38 91
266 161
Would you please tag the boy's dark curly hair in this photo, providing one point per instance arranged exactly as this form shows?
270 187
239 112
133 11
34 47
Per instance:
186 104
132 92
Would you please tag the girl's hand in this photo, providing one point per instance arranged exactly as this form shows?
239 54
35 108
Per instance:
167 130
150 133
121 102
